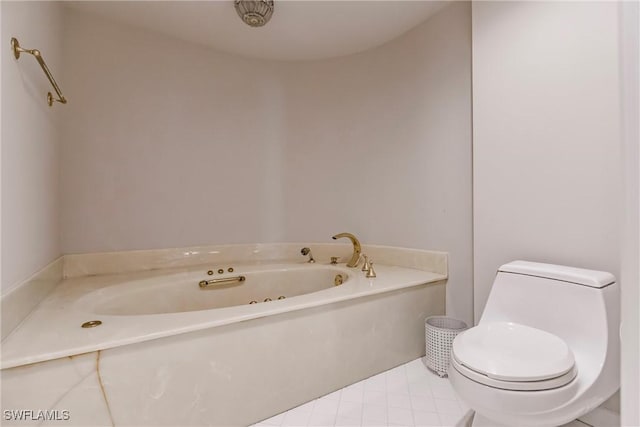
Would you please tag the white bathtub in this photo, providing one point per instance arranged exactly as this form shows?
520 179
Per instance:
179 293
170 352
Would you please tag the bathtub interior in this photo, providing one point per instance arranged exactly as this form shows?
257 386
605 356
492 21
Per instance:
182 293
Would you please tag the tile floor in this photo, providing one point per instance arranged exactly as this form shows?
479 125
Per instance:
409 395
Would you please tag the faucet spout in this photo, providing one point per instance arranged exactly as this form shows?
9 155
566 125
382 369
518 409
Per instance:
353 262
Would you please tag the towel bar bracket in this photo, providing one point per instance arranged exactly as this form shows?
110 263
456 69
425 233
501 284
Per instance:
15 46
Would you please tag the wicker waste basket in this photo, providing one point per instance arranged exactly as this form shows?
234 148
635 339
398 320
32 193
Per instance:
439 333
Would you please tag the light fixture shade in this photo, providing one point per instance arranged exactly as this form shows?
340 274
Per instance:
254 13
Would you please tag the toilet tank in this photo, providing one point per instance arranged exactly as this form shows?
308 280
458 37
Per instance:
580 306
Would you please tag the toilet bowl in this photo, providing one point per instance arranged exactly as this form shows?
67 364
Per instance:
545 350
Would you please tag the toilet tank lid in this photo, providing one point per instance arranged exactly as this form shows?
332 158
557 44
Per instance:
580 276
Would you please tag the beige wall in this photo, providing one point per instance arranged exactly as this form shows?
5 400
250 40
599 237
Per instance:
169 144
546 137
30 142
630 272
380 144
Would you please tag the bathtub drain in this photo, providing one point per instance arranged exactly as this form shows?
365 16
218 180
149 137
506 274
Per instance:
92 324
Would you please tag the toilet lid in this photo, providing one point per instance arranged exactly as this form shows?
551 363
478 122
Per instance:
512 352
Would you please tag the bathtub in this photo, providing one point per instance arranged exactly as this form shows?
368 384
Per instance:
229 342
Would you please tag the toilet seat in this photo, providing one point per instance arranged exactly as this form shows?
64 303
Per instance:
511 356
514 385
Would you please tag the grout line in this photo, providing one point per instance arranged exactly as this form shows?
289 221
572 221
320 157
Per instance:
386 396
406 377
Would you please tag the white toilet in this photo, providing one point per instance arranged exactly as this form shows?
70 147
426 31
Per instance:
546 349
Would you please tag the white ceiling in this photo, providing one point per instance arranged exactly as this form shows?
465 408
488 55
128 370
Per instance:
298 30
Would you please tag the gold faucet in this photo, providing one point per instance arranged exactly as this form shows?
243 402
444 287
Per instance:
353 262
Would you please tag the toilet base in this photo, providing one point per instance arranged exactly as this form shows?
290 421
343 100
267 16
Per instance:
481 421
478 420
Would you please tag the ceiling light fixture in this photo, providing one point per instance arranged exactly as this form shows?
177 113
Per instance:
254 13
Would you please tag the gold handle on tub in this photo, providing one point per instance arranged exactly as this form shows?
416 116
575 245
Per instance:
224 281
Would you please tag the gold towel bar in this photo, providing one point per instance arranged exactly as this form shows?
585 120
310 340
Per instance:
17 50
